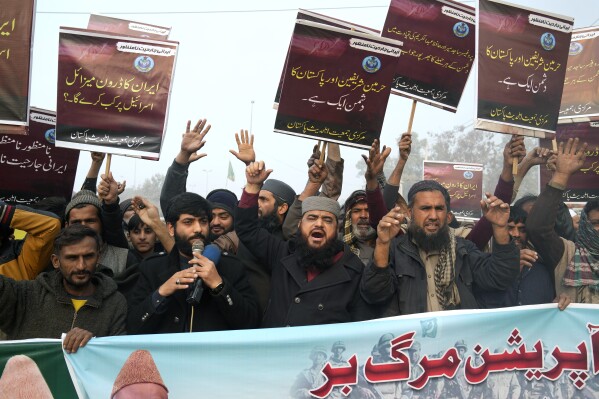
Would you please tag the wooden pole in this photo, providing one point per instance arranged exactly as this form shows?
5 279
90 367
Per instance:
323 152
412 117
554 143
108 160
515 166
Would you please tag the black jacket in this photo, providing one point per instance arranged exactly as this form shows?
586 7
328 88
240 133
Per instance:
331 297
402 286
235 307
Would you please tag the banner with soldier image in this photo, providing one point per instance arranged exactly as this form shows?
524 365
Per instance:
121 26
37 169
583 185
16 46
580 100
452 354
337 84
113 92
463 181
438 51
522 56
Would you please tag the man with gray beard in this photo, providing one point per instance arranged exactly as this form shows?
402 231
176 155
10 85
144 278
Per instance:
430 268
358 234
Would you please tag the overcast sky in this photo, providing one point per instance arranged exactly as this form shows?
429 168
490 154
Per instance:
231 53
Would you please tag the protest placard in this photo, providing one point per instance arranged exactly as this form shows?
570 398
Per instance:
16 38
583 185
115 25
113 92
463 181
522 55
336 85
438 50
580 99
37 169
323 19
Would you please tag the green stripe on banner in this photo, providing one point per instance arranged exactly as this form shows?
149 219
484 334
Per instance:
50 360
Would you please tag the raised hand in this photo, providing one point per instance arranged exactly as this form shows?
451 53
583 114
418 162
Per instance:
108 189
147 211
514 149
570 157
375 161
405 146
495 210
245 146
256 173
317 172
538 156
192 141
390 225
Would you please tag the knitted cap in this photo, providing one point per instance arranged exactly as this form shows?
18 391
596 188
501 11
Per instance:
354 198
125 204
321 204
280 189
138 368
22 379
83 197
428 185
223 199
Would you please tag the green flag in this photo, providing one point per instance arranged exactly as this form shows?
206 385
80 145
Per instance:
231 173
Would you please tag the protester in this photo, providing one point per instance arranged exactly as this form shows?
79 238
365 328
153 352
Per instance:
430 269
574 262
142 237
158 301
105 219
71 299
25 259
315 278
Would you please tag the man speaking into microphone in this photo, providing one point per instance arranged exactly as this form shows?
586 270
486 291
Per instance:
195 287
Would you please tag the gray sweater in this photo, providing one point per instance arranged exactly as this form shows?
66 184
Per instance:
41 308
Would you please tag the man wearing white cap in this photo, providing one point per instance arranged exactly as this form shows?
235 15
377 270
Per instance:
315 278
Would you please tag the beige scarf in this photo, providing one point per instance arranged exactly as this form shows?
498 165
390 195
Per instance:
446 288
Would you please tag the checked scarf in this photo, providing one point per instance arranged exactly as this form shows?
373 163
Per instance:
445 286
583 269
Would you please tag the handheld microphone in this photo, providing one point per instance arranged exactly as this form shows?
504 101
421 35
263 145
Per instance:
211 252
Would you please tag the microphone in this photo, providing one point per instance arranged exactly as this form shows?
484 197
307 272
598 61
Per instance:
211 252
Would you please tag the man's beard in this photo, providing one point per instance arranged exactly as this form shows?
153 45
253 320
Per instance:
184 245
269 222
429 242
213 236
363 234
321 258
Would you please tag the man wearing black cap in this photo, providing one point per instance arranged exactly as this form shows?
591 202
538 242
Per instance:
223 204
429 268
160 303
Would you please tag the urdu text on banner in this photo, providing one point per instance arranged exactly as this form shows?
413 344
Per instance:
37 168
583 185
532 347
16 37
121 26
113 92
438 51
522 56
336 85
580 100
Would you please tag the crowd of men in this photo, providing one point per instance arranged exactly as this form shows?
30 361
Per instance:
272 257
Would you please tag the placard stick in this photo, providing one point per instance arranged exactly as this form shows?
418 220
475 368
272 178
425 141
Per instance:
323 152
554 143
412 117
108 160
515 166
